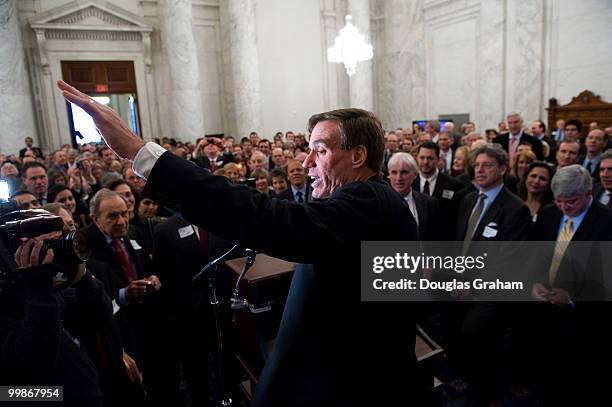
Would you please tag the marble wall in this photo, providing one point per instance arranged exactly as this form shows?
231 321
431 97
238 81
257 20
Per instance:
266 70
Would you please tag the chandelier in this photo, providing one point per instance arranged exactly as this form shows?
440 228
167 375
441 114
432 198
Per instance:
349 48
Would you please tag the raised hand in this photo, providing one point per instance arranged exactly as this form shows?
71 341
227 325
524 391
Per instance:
114 131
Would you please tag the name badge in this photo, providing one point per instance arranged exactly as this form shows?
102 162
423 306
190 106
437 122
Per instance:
185 232
448 194
135 244
489 232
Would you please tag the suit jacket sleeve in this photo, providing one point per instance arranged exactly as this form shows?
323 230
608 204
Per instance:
292 231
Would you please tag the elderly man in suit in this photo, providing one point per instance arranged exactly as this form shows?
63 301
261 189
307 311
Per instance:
403 170
602 191
516 136
572 278
318 358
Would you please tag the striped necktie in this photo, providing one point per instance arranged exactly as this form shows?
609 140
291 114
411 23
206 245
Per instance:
560 247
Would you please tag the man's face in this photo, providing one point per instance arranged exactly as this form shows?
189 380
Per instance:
35 180
254 138
574 205
296 174
430 129
247 146
28 142
444 142
60 158
27 201
427 161
595 142
279 184
567 154
264 147
278 158
515 124
487 172
113 218
211 151
257 161
560 124
300 140
605 173
327 162
290 136
126 193
536 129
392 142
134 180
401 177
502 127
107 157
9 171
571 132
237 154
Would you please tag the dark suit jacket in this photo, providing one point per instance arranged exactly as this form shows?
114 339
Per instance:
428 211
319 356
595 172
288 194
36 150
503 140
583 273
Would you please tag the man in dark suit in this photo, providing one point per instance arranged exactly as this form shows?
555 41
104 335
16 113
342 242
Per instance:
207 154
492 213
29 142
602 191
403 170
114 261
431 182
299 188
595 143
318 357
511 141
181 249
572 279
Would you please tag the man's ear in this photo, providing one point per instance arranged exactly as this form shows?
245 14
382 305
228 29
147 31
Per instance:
503 169
359 156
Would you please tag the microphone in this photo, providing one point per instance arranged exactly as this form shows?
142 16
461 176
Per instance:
237 302
213 264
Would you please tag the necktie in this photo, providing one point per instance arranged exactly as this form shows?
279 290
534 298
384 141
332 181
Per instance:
124 260
560 247
213 165
473 222
298 197
512 148
426 188
589 166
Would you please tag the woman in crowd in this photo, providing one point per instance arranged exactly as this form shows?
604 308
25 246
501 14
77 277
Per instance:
147 208
407 145
56 178
460 161
232 172
63 195
521 162
535 189
261 181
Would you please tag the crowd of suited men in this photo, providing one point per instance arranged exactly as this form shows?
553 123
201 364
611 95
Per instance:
525 182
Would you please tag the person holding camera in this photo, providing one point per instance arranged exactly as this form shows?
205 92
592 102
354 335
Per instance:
58 337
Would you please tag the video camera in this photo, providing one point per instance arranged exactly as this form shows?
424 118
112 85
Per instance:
70 249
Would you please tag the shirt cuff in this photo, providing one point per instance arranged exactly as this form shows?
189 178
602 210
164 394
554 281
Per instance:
146 158
122 299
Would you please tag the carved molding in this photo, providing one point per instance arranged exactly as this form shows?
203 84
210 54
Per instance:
92 35
92 11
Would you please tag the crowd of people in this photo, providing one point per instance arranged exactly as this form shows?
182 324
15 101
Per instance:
521 181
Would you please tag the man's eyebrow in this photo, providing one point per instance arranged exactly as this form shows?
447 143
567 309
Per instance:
316 143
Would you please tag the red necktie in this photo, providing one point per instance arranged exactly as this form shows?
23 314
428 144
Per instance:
426 188
124 261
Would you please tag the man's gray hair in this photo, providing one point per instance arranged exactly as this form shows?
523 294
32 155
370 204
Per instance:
101 195
512 114
405 158
573 180
606 155
494 151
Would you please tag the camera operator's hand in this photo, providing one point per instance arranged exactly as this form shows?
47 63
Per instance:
136 289
37 276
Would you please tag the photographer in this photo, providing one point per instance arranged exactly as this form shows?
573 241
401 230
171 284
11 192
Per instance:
38 347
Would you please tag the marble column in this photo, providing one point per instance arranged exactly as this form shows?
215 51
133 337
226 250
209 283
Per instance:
361 83
16 111
402 65
491 69
187 116
525 53
243 88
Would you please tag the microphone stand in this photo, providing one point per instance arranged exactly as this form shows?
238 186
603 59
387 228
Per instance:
211 270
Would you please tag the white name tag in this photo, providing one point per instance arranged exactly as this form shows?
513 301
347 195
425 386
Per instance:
116 308
489 232
448 194
185 231
135 244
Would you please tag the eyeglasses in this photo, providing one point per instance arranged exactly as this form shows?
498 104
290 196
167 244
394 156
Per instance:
486 166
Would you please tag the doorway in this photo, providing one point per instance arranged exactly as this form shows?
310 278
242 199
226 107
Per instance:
112 83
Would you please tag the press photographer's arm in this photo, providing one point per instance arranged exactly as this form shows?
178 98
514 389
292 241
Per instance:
44 333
